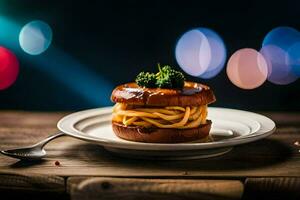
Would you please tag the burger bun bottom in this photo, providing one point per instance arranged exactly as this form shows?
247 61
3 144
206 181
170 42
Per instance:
161 135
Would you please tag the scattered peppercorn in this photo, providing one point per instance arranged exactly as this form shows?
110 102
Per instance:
57 163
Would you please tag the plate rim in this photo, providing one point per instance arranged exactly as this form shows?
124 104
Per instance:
260 134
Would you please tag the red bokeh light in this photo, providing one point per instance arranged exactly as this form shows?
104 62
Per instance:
9 68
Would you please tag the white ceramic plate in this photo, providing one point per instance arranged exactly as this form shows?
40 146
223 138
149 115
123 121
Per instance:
229 128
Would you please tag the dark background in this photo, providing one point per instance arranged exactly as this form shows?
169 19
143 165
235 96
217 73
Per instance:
118 39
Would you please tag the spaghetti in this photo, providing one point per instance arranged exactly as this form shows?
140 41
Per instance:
165 117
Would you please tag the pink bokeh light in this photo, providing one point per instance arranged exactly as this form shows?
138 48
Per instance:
247 69
9 68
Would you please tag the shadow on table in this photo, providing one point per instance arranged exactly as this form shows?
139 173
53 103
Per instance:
26 163
258 154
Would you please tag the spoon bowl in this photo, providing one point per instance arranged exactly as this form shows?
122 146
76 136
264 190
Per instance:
33 152
25 153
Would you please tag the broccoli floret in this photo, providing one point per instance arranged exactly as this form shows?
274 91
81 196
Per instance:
169 78
177 79
146 79
164 82
165 78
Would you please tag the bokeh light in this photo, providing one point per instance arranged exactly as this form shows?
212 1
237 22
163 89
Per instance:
69 71
35 37
247 69
294 58
193 52
279 71
201 52
283 37
9 68
280 49
218 53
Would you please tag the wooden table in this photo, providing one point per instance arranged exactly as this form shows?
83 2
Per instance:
266 168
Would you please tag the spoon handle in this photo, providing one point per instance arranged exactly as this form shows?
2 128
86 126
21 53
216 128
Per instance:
48 139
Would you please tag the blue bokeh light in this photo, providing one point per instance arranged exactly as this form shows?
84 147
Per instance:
283 37
218 52
69 71
35 37
280 48
201 52
279 71
294 58
193 52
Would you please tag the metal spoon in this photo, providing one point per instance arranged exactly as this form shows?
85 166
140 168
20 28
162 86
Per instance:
33 152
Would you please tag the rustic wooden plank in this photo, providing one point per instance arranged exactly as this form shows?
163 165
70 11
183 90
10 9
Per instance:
272 188
275 156
20 136
32 182
113 188
32 186
284 118
30 119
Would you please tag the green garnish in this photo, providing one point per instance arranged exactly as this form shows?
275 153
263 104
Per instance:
146 79
165 78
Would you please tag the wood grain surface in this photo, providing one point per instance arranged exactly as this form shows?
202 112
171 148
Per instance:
273 157
124 188
272 188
